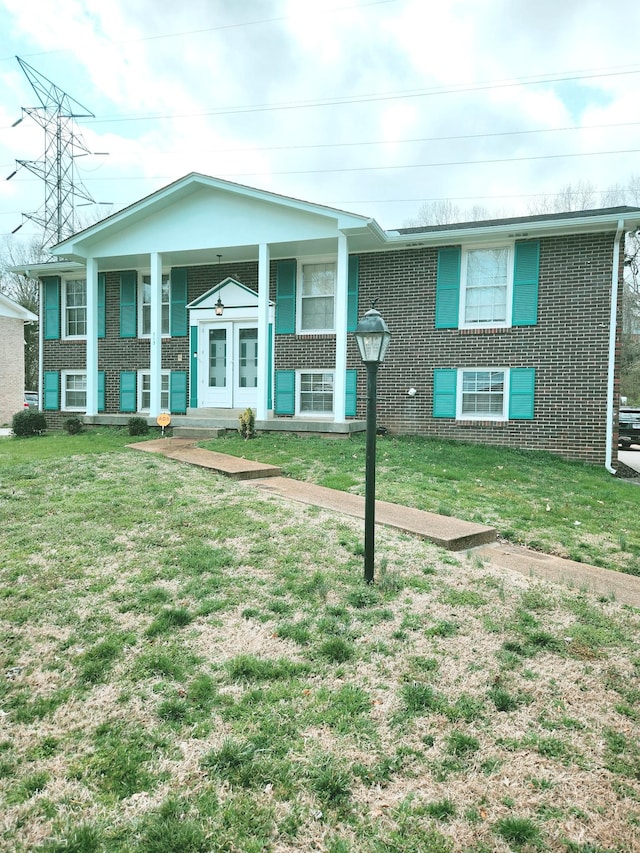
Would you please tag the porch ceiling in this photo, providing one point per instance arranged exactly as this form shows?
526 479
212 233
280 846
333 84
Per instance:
209 255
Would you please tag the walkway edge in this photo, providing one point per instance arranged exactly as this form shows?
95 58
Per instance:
447 532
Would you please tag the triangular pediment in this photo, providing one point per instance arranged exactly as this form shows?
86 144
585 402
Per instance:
232 294
198 213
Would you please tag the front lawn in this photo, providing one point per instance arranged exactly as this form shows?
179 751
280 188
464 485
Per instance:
570 509
191 665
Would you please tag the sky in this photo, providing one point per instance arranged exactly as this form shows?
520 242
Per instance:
378 107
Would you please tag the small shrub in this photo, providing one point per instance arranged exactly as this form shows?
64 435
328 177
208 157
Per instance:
73 425
247 426
138 426
28 422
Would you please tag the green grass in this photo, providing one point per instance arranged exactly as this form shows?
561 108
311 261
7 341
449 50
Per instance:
190 664
591 516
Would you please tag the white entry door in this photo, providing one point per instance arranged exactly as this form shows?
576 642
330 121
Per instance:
228 365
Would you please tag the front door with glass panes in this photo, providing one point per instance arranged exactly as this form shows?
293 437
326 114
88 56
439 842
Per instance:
228 365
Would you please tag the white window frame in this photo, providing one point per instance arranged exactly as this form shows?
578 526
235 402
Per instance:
64 308
308 261
142 274
165 374
489 324
312 413
64 376
483 416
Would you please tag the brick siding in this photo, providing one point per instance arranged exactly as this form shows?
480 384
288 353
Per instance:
568 347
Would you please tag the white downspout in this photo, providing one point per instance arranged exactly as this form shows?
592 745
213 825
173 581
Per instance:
615 273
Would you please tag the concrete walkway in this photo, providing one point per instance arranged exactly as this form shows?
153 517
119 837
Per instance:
447 532
450 533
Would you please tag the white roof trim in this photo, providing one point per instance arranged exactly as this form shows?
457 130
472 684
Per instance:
10 308
345 220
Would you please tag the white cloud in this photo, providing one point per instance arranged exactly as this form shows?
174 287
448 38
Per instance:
190 61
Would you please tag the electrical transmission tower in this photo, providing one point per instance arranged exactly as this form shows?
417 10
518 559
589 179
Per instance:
56 168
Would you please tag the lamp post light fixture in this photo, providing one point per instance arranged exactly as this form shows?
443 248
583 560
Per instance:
372 336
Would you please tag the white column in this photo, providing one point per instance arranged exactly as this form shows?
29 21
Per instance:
155 355
263 332
92 336
342 298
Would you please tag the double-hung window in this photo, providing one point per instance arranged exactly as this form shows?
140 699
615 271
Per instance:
74 311
317 295
74 391
486 283
145 324
488 287
483 394
144 390
315 393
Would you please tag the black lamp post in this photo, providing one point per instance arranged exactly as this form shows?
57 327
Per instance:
372 336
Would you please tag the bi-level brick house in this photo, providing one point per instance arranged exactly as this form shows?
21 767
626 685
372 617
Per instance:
207 297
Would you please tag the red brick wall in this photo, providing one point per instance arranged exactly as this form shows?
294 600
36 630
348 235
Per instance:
568 347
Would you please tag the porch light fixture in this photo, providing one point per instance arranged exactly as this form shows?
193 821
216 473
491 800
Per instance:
372 336
219 307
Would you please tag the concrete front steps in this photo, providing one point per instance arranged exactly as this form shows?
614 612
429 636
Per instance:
201 424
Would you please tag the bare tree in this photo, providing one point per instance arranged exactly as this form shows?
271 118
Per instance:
24 291
445 212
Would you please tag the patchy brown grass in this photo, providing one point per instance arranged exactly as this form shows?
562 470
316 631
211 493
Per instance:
187 662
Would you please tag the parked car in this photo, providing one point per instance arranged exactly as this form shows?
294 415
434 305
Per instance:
628 427
30 400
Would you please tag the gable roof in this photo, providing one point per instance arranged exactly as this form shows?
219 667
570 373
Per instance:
622 211
228 206
196 215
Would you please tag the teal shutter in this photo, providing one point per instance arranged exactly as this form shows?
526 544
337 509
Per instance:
350 393
352 286
128 391
101 391
270 369
285 392
51 400
444 393
521 393
286 297
102 304
525 283
193 398
178 391
51 306
178 323
448 288
128 311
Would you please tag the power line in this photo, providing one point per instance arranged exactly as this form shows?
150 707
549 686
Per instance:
205 30
370 97
452 138
343 170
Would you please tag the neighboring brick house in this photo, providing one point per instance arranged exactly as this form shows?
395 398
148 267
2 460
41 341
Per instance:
207 297
12 320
